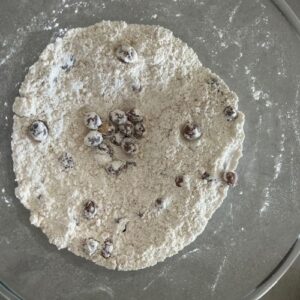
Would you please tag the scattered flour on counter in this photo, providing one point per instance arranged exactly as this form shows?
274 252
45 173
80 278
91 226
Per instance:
186 255
264 207
279 157
5 198
234 11
219 273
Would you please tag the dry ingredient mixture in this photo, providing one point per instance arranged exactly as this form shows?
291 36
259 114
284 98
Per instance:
123 144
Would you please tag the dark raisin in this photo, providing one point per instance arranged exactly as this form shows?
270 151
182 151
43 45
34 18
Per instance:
137 88
230 178
107 248
230 113
90 209
129 146
93 139
38 131
179 180
125 228
126 129
205 175
92 120
191 131
115 167
139 130
126 54
118 117
135 116
140 214
117 138
105 148
160 203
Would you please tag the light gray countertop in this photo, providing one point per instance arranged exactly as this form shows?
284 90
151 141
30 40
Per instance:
288 287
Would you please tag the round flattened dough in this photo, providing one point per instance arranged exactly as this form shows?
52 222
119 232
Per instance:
80 73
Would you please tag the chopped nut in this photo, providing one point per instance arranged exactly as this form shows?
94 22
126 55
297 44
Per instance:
107 129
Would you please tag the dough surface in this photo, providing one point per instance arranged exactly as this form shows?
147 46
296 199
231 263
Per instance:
80 73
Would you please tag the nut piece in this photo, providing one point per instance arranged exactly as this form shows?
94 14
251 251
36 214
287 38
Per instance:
38 131
105 148
90 209
230 178
191 131
230 113
126 54
107 248
135 116
129 146
107 129
139 130
92 120
126 129
91 246
118 117
93 139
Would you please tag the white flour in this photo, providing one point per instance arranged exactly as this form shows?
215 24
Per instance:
175 89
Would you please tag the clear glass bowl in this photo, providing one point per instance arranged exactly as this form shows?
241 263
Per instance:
249 44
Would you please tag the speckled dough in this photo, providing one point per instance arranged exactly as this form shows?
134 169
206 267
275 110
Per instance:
142 215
